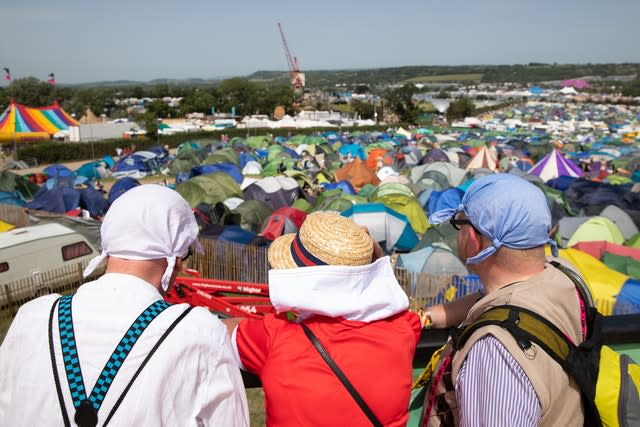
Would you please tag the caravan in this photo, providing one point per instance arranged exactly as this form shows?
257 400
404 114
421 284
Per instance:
40 259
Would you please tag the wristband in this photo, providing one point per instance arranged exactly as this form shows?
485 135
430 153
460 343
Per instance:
425 318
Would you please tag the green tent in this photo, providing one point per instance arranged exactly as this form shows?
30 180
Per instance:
391 188
185 161
253 214
409 207
262 141
10 182
225 155
622 264
596 229
634 241
212 188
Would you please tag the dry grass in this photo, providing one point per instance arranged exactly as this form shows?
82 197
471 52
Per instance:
255 399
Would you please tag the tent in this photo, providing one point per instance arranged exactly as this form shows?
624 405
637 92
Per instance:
621 219
251 214
426 264
485 158
120 187
388 227
283 221
22 123
275 191
554 165
595 229
357 173
613 292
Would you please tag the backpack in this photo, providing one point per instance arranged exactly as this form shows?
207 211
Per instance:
609 382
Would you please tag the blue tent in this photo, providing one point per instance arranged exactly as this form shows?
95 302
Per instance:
354 149
56 170
628 298
93 201
388 227
344 185
229 168
89 170
120 187
57 200
133 163
236 234
11 198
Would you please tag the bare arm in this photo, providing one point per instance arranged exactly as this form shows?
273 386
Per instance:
231 323
453 313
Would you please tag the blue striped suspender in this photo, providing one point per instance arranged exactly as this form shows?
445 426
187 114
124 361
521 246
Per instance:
87 408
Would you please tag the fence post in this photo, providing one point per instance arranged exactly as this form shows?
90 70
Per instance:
12 309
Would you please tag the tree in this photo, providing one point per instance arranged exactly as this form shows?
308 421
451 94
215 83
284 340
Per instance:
400 101
239 93
199 101
29 91
461 108
365 110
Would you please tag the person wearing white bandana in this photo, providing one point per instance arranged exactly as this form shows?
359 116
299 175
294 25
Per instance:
178 371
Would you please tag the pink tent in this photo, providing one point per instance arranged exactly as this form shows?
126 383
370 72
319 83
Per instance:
597 249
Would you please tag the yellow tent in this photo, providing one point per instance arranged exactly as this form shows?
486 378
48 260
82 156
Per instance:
4 226
604 283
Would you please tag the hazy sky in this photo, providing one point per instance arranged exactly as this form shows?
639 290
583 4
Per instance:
87 41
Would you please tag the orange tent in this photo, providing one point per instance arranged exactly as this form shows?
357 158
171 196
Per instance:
357 173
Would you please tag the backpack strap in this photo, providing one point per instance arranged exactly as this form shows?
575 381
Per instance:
527 327
86 408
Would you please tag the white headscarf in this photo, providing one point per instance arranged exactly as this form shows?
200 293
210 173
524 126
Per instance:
148 222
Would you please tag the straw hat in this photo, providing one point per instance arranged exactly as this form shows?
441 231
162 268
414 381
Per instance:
325 238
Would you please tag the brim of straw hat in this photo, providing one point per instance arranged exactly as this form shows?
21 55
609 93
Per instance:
279 253
330 237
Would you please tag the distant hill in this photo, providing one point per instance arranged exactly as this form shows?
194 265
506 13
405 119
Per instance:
527 73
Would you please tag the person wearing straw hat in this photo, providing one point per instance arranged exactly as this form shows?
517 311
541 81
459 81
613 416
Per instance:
503 224
169 365
327 288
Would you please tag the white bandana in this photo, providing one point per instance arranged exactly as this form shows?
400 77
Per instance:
148 222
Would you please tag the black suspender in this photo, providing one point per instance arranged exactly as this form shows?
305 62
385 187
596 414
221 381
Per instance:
86 407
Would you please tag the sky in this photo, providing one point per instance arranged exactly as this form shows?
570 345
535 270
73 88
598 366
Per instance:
141 40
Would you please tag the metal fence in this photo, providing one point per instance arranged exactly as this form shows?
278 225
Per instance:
60 280
245 263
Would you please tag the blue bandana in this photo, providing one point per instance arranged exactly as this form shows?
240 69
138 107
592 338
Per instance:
508 209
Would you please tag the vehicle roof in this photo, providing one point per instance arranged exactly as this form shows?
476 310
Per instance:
35 232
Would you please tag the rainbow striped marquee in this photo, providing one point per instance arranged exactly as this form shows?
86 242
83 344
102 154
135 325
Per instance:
22 123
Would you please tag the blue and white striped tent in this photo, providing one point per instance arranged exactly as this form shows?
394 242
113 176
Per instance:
389 228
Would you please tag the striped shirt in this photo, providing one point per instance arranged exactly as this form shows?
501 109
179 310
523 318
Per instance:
493 390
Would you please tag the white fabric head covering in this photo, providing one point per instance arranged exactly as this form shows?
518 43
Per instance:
148 222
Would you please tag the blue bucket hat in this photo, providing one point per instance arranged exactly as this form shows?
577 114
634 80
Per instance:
509 210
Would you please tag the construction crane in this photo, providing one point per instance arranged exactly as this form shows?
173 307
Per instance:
297 78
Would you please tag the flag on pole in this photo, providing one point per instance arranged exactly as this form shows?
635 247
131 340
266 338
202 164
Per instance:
52 79
7 75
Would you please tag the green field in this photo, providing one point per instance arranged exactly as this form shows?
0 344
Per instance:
445 78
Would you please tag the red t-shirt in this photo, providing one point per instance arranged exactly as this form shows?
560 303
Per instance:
302 390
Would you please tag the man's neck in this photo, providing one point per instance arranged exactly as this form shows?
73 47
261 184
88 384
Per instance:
150 271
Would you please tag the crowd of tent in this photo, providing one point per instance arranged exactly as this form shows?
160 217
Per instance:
251 190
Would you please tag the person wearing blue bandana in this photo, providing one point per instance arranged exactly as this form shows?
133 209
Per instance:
503 224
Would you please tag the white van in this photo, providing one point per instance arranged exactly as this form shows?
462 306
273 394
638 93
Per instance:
41 259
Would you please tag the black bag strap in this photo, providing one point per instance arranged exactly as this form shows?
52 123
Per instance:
56 377
341 376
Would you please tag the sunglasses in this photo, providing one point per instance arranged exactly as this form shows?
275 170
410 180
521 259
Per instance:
456 223
186 257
